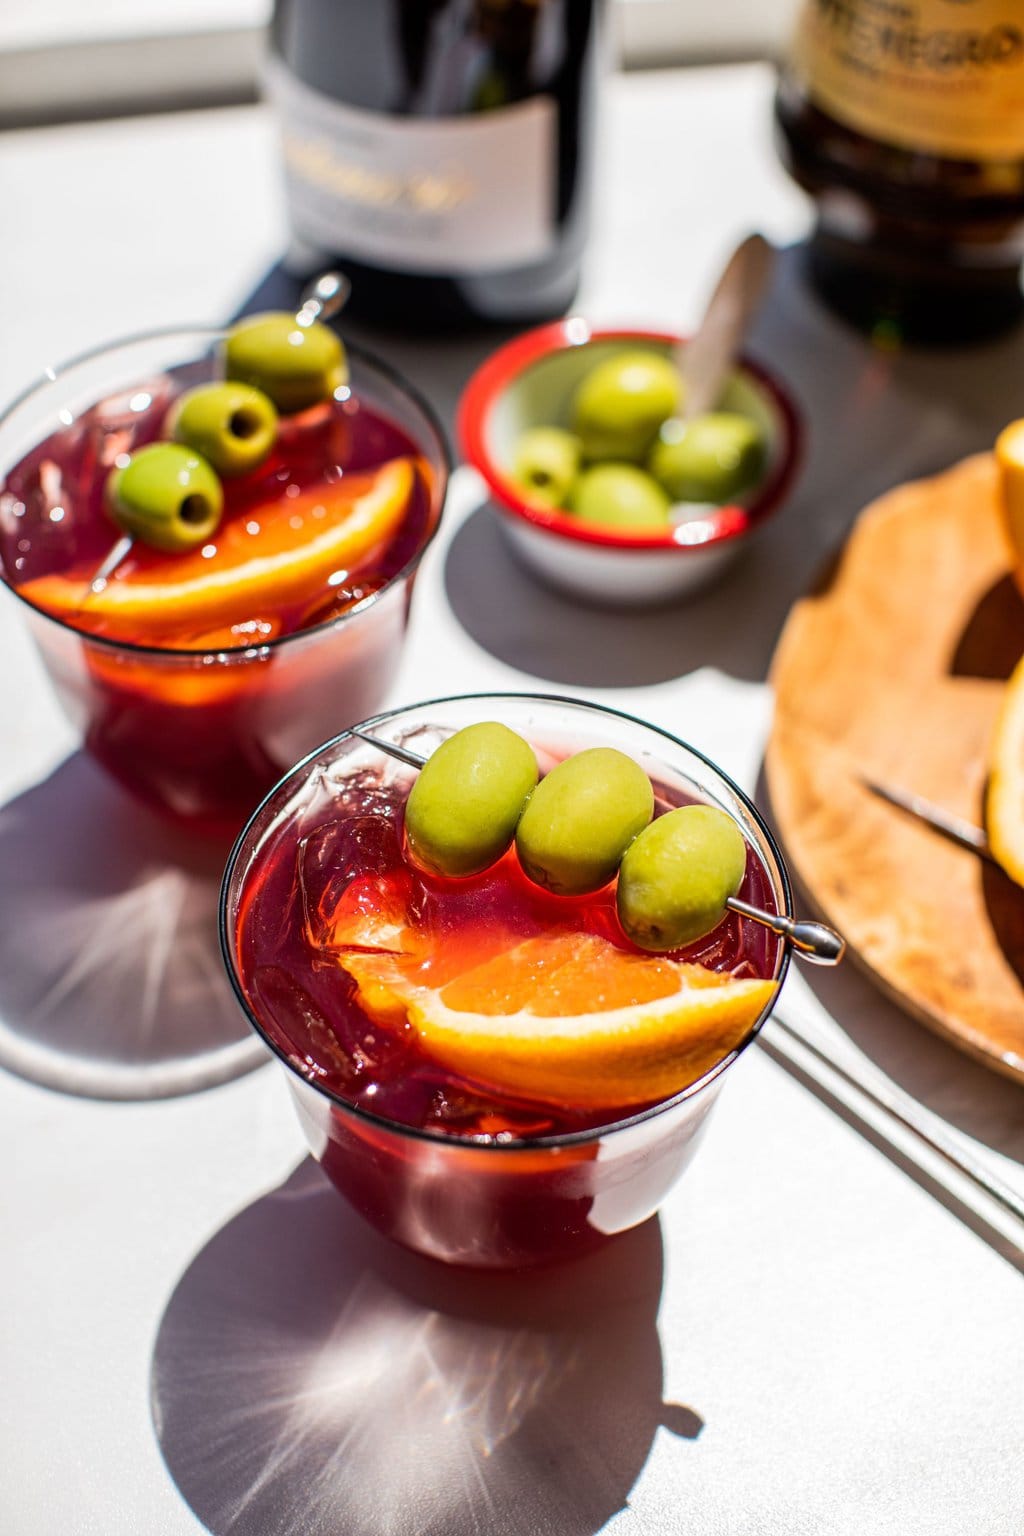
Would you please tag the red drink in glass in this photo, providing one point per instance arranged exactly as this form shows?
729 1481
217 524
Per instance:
201 719
446 1165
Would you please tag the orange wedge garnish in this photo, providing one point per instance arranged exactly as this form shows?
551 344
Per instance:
1009 452
300 542
1004 799
564 1017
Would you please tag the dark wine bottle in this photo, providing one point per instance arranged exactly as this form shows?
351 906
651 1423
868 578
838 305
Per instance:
904 119
440 151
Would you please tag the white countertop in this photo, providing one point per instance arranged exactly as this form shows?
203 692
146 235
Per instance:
194 1334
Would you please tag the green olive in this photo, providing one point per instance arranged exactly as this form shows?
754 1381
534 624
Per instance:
581 818
709 458
677 875
620 496
462 812
167 496
546 464
621 403
232 425
296 365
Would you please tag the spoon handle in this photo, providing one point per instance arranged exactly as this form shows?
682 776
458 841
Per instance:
706 358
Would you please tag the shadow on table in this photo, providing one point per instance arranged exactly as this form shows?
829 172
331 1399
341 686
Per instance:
310 1375
974 1098
111 984
872 419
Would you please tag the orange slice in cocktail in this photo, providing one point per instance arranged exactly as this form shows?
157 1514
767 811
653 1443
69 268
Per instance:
286 556
561 1017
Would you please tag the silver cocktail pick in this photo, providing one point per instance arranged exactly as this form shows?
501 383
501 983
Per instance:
958 830
812 941
111 560
321 298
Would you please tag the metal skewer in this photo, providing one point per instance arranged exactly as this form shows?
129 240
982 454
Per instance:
958 830
812 941
321 298
120 551
815 942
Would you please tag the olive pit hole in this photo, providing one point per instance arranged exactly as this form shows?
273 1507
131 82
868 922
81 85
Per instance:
243 423
194 510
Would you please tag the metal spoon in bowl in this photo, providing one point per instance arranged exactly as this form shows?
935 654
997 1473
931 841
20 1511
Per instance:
811 941
321 298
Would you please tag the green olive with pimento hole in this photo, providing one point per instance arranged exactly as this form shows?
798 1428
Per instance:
233 425
167 495
546 464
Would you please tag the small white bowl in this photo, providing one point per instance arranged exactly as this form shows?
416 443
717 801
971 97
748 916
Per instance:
529 382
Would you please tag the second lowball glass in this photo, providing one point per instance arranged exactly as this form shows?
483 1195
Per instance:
201 726
320 892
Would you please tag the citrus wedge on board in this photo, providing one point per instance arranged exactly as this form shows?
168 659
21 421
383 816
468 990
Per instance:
564 1017
1009 452
299 542
1004 799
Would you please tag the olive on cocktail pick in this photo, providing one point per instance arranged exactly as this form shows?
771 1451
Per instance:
297 365
811 941
580 820
294 358
307 365
167 496
677 877
232 425
463 810
291 356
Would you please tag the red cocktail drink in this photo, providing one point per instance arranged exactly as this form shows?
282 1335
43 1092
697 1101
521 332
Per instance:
198 700
325 914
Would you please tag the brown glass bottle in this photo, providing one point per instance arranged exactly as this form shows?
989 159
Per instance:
904 119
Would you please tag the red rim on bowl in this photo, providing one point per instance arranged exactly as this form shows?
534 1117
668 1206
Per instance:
505 365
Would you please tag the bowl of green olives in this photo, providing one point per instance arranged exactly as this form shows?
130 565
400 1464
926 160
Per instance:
605 488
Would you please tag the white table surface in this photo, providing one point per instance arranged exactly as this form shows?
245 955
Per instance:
194 1335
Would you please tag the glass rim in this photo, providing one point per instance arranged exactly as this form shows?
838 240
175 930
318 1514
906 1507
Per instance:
392 375
517 1143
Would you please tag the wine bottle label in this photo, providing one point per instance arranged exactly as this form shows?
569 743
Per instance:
943 77
434 195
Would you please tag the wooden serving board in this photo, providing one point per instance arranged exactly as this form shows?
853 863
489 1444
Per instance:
894 669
